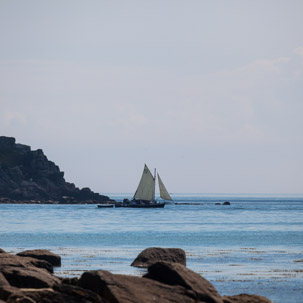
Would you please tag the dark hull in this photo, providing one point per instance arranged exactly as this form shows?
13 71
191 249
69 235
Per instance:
105 205
139 205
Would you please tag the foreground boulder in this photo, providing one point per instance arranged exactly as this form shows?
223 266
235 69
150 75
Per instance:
7 291
23 282
25 262
3 280
123 288
42 254
178 274
28 277
59 294
153 255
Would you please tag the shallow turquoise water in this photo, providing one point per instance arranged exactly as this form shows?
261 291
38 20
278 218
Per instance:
251 246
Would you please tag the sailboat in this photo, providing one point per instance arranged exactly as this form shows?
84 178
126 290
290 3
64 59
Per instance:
144 196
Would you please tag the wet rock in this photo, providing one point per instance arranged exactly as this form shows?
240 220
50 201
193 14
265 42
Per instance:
22 282
20 299
42 254
3 280
18 261
244 298
178 274
59 294
2 251
70 281
226 203
123 288
157 254
217 203
7 290
30 277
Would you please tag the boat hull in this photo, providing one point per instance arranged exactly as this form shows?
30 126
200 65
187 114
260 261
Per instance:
105 205
141 205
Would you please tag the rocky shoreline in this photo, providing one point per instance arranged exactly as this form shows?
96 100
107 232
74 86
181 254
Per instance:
67 201
28 278
27 176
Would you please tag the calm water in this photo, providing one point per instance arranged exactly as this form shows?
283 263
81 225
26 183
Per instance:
255 245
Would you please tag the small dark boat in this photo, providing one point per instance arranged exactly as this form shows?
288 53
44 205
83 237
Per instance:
105 205
140 204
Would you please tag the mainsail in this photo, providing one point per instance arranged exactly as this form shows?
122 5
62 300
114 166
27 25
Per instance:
163 192
146 187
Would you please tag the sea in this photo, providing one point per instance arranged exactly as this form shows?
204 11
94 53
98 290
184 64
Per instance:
254 245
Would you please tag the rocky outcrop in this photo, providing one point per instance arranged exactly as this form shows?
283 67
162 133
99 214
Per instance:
26 262
123 288
3 280
23 282
152 255
29 277
60 293
244 298
42 254
27 175
178 274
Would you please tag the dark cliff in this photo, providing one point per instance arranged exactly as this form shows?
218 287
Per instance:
27 175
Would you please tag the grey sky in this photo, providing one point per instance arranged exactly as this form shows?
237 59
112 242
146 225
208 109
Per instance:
209 92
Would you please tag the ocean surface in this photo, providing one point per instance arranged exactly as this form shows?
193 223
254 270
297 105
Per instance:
254 246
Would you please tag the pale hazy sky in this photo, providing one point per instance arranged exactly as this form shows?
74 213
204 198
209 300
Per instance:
209 92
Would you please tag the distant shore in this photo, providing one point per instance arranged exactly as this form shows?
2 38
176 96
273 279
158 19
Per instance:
9 201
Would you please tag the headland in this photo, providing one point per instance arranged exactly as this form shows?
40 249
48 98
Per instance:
27 176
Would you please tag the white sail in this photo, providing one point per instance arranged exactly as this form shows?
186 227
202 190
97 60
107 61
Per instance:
163 192
146 187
